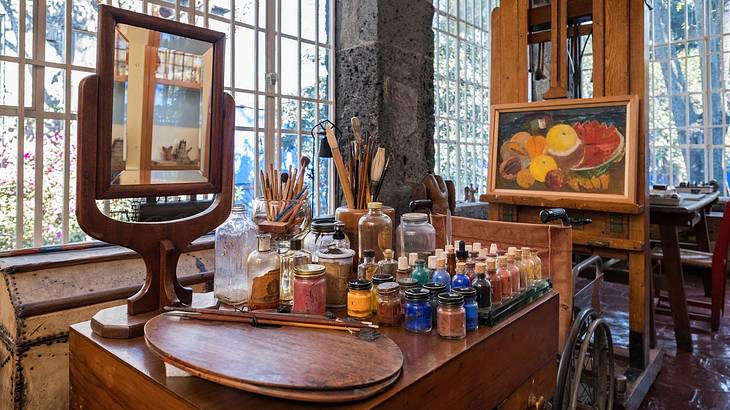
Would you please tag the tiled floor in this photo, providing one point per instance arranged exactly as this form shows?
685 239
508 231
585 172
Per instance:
700 380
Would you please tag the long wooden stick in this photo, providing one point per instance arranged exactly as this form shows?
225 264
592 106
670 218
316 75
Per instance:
341 170
220 318
274 316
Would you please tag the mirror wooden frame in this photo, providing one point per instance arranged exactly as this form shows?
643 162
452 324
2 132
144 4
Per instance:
109 17
159 243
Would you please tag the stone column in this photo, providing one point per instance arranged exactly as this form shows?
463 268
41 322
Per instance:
384 75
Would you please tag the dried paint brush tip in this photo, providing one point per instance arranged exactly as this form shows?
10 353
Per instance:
284 177
304 161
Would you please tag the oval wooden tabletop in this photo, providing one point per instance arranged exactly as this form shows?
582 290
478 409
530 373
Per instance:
285 357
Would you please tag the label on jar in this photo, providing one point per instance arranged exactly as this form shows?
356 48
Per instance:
265 291
337 275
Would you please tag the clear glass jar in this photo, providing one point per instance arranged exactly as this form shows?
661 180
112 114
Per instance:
321 227
338 272
417 311
451 320
434 289
263 275
310 289
289 259
359 299
378 280
415 234
375 231
235 239
406 283
471 308
390 310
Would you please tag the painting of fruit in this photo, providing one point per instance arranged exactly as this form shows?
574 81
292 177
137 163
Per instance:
568 148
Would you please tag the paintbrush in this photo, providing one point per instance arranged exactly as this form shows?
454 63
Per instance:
303 164
376 194
341 170
377 168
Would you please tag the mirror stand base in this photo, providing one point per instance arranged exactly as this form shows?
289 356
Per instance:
116 323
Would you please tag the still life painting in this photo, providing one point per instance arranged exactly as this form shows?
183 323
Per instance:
583 149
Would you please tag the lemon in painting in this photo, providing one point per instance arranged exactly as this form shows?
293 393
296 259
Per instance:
564 145
541 165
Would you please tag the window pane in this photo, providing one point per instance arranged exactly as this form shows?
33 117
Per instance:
8 180
55 30
9 83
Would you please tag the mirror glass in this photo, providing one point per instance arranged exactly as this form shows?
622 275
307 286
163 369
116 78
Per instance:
155 209
161 99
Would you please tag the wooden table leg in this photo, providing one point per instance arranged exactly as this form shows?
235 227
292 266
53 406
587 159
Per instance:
702 237
672 268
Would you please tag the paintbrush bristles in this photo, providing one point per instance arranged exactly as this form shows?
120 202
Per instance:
376 171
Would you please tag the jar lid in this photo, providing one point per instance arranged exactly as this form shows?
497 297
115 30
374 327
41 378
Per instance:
360 284
388 288
417 294
414 217
451 298
309 270
382 278
408 282
375 205
323 225
468 292
435 287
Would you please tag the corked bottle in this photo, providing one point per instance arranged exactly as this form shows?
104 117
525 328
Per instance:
494 280
460 280
263 275
482 286
451 260
505 277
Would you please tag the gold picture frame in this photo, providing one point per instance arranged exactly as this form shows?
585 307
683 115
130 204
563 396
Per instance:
573 153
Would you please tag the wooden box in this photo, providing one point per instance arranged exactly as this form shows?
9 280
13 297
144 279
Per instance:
41 295
554 245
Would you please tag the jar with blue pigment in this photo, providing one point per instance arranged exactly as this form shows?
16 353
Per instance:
471 307
418 310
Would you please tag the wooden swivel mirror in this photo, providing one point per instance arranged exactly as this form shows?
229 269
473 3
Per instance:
155 152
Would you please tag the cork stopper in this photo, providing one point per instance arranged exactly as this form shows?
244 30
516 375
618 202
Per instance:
403 263
493 248
412 258
481 267
440 253
432 262
511 250
491 264
460 267
450 249
517 253
502 261
440 263
468 248
476 246
388 254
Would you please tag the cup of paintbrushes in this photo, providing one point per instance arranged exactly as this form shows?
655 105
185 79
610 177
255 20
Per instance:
284 219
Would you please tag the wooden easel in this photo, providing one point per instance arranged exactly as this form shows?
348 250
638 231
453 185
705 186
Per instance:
619 66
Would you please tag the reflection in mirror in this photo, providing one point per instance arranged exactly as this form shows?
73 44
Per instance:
161 99
155 209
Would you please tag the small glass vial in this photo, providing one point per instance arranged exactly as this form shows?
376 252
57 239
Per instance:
235 239
368 268
451 321
310 289
471 307
526 267
460 280
390 309
417 311
359 299
494 280
420 272
289 260
469 269
540 273
263 275
451 260
482 286
435 289
441 275
405 284
375 231
377 280
388 266
505 277
514 273
404 271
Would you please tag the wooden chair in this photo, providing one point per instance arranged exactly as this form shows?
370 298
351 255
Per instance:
716 262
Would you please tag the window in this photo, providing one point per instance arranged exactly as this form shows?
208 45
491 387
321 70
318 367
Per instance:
461 90
45 54
689 92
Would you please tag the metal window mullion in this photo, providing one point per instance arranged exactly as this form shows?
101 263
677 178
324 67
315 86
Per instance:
270 44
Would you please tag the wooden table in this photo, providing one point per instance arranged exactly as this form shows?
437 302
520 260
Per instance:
498 366
686 214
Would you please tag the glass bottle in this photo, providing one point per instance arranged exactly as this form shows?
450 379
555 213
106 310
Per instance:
310 289
471 307
469 270
517 255
451 320
415 234
495 280
450 260
468 250
234 241
514 273
526 264
420 272
441 275
359 299
320 228
417 311
435 289
340 237
460 280
540 274
505 277
375 231
405 284
288 262
368 267
482 286
263 275
388 266
390 309
404 271
338 272
377 281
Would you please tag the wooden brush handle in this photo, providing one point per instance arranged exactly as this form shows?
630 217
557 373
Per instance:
341 170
